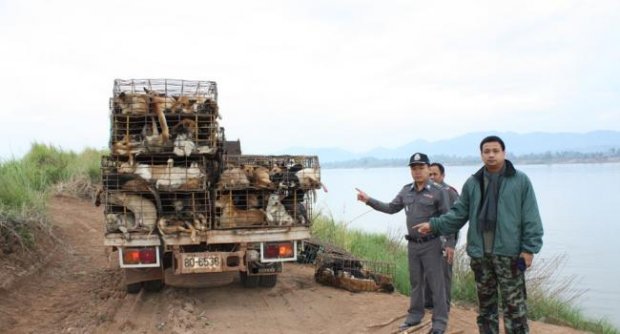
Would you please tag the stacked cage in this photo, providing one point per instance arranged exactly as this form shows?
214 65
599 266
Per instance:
166 148
259 191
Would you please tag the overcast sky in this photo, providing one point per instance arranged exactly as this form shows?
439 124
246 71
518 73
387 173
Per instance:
349 74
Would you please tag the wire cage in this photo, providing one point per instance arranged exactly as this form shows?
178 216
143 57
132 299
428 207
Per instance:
172 212
178 134
158 173
141 97
130 212
167 87
185 212
282 172
252 207
354 274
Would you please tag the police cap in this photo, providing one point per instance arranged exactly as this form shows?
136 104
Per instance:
419 158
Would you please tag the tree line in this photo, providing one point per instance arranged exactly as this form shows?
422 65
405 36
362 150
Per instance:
612 155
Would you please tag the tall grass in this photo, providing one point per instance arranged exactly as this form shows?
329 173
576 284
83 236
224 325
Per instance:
550 298
25 185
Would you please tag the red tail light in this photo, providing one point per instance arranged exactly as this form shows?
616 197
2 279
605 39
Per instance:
137 257
148 255
271 251
131 256
279 250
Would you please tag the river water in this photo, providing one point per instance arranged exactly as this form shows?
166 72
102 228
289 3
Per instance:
577 203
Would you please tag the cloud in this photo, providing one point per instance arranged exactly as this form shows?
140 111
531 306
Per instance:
316 73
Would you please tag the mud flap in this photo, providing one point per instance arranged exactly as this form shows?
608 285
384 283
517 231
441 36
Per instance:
137 275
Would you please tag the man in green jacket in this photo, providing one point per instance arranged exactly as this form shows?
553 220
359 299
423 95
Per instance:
505 231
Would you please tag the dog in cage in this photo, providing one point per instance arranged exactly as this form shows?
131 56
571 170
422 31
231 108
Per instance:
207 106
276 212
183 132
154 141
186 104
129 145
159 102
167 176
258 175
131 103
310 178
232 178
349 274
283 178
143 209
170 225
293 201
231 216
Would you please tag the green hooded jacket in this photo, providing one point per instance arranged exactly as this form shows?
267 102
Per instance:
519 227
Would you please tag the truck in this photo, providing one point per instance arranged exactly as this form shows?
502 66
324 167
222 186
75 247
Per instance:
183 206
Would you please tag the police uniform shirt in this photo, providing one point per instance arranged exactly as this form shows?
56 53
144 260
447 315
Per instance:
419 205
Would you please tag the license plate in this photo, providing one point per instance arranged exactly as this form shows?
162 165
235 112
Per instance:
201 263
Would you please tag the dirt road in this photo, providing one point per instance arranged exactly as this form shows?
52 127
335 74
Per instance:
78 289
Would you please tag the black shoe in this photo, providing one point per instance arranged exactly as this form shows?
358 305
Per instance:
428 306
437 331
407 324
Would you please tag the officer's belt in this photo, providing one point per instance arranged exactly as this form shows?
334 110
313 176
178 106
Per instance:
420 240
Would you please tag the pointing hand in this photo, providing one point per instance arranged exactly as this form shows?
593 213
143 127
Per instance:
362 196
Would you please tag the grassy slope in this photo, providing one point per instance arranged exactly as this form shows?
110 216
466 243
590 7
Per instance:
25 185
545 301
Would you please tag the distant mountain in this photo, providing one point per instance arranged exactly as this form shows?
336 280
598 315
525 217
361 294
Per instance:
467 145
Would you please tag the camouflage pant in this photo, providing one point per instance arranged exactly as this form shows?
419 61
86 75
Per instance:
491 272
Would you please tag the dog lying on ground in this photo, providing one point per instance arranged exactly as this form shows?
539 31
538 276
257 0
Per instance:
232 217
276 212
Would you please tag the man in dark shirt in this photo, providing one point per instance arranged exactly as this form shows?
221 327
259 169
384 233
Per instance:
438 173
421 200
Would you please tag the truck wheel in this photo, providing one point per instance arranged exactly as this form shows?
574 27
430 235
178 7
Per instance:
153 286
248 281
268 281
134 288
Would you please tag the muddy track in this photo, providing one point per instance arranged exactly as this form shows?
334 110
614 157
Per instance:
79 289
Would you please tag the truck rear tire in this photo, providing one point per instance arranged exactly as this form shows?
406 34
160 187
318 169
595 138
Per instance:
153 286
248 281
268 281
134 288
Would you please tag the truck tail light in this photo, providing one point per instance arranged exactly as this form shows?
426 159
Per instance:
131 256
148 255
139 257
278 251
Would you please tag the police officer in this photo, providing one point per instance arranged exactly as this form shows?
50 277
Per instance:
437 174
421 200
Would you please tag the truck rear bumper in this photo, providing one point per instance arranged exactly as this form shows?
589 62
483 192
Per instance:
241 236
137 240
210 237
